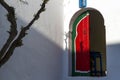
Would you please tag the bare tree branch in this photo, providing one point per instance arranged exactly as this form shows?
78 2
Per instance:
18 41
13 27
24 2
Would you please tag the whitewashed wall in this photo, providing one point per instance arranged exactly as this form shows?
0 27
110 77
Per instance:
110 10
40 58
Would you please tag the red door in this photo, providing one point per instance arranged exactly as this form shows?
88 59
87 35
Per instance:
81 44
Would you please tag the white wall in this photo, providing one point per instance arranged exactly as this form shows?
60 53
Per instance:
110 10
40 58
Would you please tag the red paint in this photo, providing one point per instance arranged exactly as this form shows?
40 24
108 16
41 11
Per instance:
82 45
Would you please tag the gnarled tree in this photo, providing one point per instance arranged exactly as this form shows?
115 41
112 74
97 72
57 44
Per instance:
15 38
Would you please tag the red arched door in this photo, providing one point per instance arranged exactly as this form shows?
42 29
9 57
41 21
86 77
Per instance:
87 43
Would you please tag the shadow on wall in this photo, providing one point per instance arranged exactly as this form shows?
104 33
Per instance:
113 65
38 59
113 58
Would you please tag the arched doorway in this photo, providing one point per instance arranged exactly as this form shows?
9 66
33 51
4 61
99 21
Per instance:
87 44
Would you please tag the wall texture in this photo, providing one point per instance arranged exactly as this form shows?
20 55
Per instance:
40 58
110 10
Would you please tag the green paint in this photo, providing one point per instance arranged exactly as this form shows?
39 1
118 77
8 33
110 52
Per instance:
73 51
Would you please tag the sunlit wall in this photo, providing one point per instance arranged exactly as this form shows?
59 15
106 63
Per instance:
110 9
